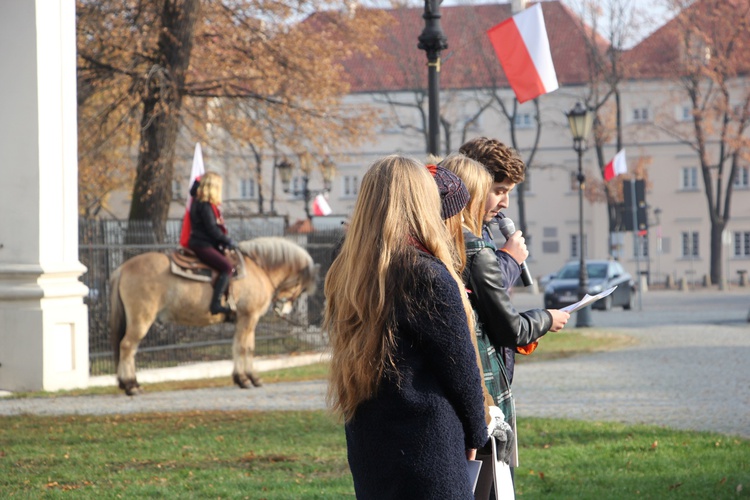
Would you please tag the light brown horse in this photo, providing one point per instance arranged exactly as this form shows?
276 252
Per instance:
144 289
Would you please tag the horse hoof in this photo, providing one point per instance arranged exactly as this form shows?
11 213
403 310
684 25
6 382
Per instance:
242 382
133 391
255 380
131 387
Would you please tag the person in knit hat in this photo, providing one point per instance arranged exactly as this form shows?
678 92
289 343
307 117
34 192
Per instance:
453 198
453 192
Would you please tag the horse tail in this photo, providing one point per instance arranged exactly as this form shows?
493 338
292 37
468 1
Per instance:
117 319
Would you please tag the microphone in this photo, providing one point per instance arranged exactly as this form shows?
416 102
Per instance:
507 227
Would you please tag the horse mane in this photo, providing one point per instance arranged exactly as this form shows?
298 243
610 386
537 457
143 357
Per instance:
272 252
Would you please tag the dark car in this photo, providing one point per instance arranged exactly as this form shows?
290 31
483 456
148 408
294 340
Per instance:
562 289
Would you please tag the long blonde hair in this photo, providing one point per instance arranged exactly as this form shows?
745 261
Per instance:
209 188
478 181
398 207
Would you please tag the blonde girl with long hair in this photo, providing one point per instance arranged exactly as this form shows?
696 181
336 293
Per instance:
404 376
209 237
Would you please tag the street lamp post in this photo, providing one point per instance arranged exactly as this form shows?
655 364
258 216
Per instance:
285 168
580 120
432 41
657 215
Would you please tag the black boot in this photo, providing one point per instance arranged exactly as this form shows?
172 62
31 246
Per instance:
222 282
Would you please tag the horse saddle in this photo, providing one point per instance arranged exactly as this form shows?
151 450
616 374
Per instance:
183 262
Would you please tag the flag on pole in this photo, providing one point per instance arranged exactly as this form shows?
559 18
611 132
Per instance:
320 206
616 166
195 173
522 46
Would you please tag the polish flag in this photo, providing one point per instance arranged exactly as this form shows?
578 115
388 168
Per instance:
616 166
196 172
522 46
320 206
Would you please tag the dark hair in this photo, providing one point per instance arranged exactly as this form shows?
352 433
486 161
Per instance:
502 161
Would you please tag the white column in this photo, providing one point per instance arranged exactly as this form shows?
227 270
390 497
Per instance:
43 320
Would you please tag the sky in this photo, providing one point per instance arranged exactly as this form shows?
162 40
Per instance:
654 12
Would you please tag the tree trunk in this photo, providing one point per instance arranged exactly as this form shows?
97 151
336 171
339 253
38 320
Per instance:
161 95
717 228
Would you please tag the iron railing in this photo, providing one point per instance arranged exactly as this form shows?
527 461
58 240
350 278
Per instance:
106 244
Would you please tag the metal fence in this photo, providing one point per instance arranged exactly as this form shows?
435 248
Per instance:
106 244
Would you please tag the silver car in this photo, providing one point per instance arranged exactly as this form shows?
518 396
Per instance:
562 289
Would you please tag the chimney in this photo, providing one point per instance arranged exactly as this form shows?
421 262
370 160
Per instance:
517 6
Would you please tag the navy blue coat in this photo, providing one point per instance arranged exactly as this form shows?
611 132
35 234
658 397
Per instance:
410 440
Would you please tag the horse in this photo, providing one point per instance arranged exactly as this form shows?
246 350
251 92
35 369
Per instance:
143 289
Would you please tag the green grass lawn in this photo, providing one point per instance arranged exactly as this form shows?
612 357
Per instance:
572 342
290 455
287 455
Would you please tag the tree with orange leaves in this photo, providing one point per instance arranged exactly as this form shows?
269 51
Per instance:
243 73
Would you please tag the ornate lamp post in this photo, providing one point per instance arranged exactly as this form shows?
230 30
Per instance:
285 168
432 41
580 120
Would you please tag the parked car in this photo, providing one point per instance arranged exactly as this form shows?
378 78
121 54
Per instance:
562 289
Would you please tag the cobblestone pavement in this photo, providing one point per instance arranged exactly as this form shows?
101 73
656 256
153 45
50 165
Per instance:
688 376
694 377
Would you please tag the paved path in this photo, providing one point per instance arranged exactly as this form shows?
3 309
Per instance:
694 377
691 374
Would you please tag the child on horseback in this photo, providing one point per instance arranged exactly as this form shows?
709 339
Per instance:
208 236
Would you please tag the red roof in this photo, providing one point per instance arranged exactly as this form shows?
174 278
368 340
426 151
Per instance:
663 53
470 61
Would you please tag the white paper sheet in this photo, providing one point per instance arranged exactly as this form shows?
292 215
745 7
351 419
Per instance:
586 300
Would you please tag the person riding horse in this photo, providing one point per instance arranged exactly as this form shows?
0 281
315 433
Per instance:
208 235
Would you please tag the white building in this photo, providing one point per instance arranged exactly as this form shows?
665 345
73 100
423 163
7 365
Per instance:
395 82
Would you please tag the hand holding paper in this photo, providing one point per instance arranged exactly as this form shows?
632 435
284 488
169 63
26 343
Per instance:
586 300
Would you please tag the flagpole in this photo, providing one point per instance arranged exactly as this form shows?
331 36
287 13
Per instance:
432 41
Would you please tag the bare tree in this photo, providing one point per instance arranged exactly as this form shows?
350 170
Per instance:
608 28
705 48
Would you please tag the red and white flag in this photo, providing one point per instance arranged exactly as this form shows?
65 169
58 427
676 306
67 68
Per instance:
522 46
196 172
320 206
616 166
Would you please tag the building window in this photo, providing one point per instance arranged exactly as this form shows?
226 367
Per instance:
523 120
550 247
640 114
176 190
742 178
574 246
351 185
689 178
742 244
685 114
247 188
527 181
690 244
297 188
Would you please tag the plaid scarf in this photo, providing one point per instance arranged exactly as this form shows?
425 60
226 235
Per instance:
493 366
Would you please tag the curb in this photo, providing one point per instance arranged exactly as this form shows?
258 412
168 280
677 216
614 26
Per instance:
211 369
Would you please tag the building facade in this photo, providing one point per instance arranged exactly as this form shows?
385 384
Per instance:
473 93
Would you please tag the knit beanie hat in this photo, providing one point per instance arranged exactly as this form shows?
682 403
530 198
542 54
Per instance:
454 194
